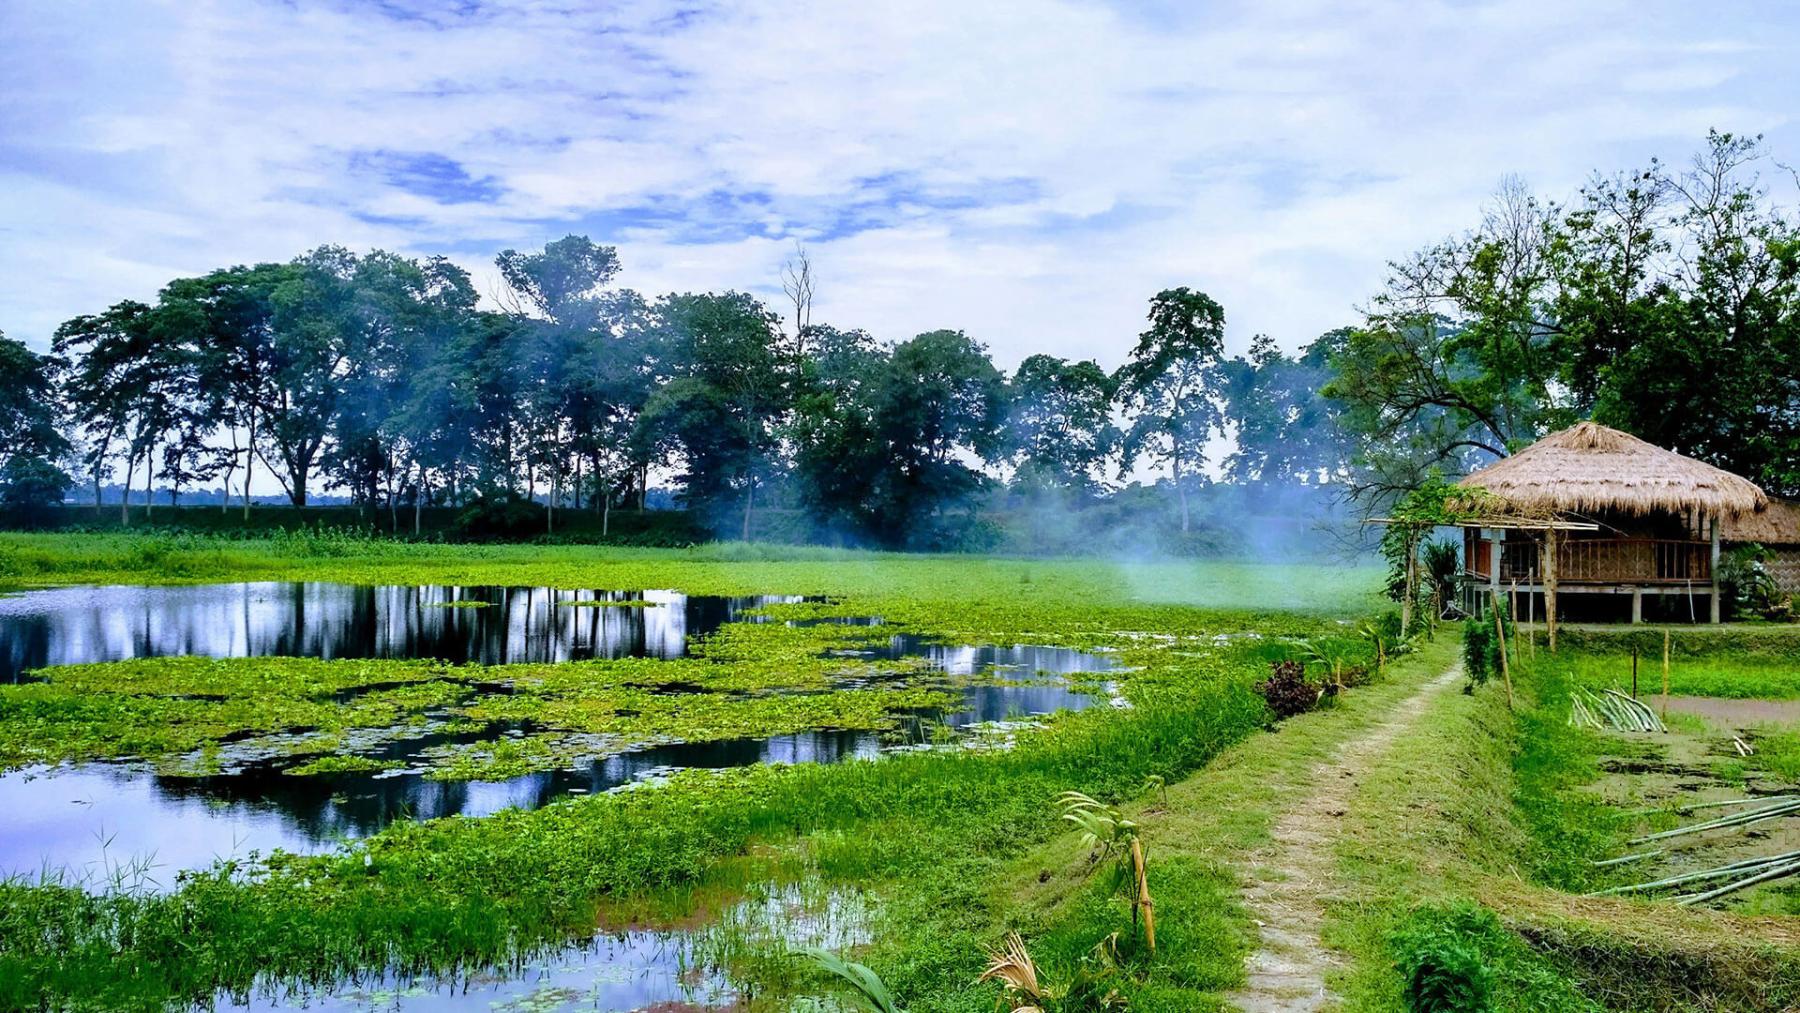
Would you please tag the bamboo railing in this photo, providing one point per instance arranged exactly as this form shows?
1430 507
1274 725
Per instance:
1604 561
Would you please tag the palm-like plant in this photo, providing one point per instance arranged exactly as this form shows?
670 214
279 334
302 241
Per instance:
865 987
1322 652
1110 835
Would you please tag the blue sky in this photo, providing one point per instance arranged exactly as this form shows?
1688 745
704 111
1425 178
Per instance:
1031 173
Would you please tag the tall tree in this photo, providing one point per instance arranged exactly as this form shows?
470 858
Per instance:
725 395
1285 431
938 408
1165 383
1060 424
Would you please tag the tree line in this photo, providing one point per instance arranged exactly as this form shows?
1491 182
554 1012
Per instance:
381 375
1660 300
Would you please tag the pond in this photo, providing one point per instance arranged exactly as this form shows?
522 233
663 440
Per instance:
617 970
97 821
460 625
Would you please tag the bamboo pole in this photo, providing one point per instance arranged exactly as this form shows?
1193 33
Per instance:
1513 605
1550 588
1665 700
1530 613
1500 639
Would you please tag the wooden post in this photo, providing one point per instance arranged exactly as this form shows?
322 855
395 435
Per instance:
1715 568
1513 611
1500 638
1530 611
1550 587
1665 703
1637 605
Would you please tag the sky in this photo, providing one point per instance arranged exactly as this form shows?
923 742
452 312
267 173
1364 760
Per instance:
1030 173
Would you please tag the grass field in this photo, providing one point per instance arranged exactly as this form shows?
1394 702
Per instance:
1472 838
927 834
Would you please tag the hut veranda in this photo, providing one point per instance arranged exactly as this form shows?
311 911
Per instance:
1612 524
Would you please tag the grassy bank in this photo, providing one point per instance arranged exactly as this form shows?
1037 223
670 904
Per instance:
1474 843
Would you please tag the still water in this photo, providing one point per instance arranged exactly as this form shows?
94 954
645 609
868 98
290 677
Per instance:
94 821
73 625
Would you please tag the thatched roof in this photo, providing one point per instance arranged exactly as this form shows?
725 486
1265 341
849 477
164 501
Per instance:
1779 524
1589 468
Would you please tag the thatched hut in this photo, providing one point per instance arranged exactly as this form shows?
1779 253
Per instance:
1776 529
1594 511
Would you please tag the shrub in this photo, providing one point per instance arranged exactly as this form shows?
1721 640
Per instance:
1445 976
1438 953
1287 691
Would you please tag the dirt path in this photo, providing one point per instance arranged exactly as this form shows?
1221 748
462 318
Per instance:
1292 875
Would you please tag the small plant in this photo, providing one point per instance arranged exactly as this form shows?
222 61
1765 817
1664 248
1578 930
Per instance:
1330 655
1481 647
1111 835
1748 589
1287 691
864 986
1026 988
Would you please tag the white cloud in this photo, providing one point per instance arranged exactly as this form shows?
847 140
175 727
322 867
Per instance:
1030 173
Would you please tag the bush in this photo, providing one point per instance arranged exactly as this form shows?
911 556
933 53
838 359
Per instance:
502 517
1482 646
1439 959
1444 976
1286 690
1747 589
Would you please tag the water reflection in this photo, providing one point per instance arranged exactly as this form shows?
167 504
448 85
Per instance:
328 620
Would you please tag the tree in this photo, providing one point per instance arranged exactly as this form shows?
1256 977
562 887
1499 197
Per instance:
836 449
937 406
1165 385
32 442
561 283
1458 361
1682 288
1285 430
1060 423
128 388
719 409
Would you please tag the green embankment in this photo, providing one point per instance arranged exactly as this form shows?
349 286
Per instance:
1479 832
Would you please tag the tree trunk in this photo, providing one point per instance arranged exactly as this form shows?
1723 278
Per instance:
644 487
1181 491
1410 591
419 500
605 495
150 482
249 463
749 499
125 493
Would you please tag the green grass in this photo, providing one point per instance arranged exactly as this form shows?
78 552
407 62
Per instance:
1729 673
1026 589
